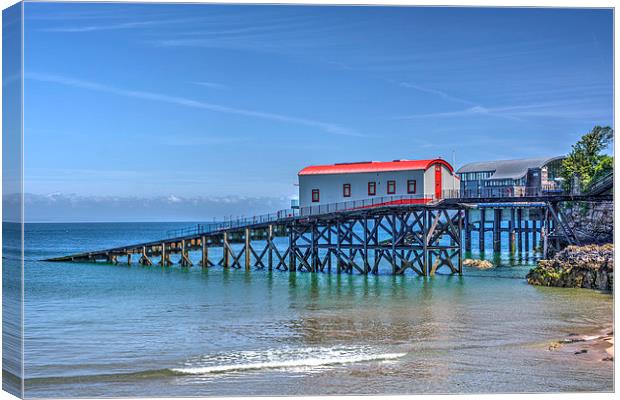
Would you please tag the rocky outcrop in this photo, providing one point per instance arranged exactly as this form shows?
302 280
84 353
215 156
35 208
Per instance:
591 222
480 264
589 267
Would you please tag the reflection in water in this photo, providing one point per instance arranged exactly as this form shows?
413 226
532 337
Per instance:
130 330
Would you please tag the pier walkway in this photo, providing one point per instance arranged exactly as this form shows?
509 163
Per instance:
414 232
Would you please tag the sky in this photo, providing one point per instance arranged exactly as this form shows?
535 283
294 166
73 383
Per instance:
213 104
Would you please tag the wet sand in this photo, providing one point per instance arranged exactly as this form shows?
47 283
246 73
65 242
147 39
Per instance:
595 347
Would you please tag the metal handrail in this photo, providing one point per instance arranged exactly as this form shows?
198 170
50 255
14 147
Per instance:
301 212
601 182
375 201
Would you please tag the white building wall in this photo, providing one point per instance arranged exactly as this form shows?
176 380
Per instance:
449 180
330 185
429 181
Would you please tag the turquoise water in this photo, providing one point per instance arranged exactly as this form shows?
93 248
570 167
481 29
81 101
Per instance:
117 330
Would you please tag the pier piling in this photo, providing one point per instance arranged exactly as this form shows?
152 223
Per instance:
482 229
467 230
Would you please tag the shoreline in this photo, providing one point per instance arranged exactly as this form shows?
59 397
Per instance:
595 347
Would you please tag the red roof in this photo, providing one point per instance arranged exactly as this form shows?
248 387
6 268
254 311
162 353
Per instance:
373 166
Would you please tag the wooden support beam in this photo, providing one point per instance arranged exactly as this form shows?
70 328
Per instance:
144 259
460 244
393 255
184 261
535 243
520 230
204 259
270 246
481 229
467 230
226 251
164 257
511 232
128 258
365 255
526 234
544 233
248 253
314 248
497 236
338 246
292 267
329 250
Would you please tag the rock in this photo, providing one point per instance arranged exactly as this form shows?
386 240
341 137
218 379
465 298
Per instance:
581 351
589 267
573 340
480 264
591 222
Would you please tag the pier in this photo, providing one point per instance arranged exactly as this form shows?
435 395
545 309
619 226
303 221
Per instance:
399 233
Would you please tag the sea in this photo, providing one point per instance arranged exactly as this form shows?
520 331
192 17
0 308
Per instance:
103 330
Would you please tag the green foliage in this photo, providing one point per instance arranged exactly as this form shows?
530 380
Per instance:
604 167
585 160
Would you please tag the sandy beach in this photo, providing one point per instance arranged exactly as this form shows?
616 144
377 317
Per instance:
589 347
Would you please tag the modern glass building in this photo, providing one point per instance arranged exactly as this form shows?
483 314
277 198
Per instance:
506 178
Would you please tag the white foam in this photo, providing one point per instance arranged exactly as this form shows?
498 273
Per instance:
303 362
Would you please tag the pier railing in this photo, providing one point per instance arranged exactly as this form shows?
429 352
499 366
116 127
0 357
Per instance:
375 201
231 224
302 212
514 191
365 203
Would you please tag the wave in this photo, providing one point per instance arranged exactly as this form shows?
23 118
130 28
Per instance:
303 362
223 363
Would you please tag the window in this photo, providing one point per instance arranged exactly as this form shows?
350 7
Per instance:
346 190
372 188
315 195
411 186
391 187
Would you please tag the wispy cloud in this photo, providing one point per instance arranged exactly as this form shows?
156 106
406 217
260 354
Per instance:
439 93
291 36
116 26
197 140
211 85
91 28
186 102
67 207
559 109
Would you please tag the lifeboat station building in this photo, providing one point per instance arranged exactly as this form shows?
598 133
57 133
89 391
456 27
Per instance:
532 176
415 181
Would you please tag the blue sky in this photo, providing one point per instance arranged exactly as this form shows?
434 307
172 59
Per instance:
205 101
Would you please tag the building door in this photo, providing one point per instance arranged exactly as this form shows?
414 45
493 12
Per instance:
437 181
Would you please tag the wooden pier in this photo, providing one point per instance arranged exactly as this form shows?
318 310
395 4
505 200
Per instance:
423 238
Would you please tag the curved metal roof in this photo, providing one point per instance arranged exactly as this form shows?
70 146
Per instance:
507 169
372 166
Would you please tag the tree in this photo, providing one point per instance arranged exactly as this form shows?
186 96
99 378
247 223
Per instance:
585 160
